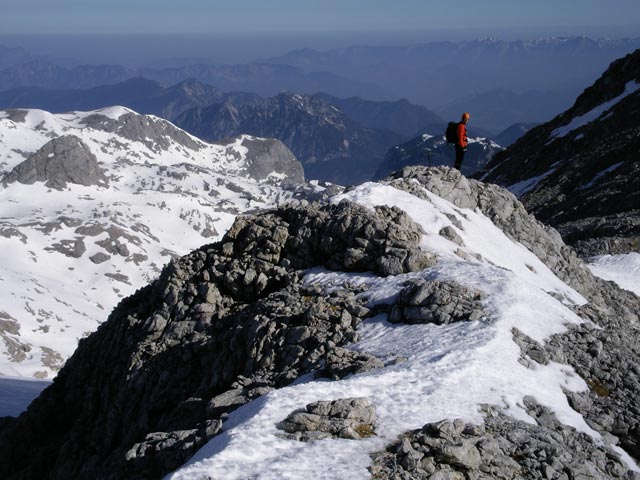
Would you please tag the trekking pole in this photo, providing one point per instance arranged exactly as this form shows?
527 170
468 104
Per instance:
427 153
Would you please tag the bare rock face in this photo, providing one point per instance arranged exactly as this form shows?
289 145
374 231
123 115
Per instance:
63 160
341 362
270 156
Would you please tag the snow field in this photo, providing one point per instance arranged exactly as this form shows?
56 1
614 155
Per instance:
159 203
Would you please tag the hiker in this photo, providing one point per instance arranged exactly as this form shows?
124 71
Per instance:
461 140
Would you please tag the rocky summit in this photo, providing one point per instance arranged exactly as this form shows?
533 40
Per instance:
580 172
271 352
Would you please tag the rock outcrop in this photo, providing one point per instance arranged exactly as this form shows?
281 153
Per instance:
266 157
436 302
350 418
63 160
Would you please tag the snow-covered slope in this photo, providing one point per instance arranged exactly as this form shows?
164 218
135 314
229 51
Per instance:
71 251
624 269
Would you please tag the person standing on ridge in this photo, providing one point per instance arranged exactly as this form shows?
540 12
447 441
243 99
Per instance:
462 141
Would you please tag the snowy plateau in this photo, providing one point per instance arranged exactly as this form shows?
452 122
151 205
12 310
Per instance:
70 252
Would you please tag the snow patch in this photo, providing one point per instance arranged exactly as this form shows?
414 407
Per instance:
623 269
528 185
599 175
631 87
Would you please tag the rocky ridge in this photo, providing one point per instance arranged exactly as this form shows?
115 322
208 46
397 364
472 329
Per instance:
234 307
234 320
501 448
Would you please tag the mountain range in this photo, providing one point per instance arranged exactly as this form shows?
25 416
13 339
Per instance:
340 140
500 78
259 78
139 94
330 145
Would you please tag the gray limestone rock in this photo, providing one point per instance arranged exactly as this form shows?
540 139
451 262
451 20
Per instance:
63 160
351 418
436 302
341 362
270 156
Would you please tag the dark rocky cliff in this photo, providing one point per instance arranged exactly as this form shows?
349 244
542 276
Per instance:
584 181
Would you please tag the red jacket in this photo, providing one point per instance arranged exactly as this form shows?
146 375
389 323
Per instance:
462 135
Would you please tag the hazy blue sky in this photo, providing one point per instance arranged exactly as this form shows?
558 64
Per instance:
209 16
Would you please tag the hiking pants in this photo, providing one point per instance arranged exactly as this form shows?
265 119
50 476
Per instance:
459 156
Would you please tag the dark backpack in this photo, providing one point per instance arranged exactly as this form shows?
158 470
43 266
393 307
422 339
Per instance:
452 132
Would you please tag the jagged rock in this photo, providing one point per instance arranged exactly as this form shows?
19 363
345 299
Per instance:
341 362
63 160
436 302
605 354
172 449
530 349
500 448
351 418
